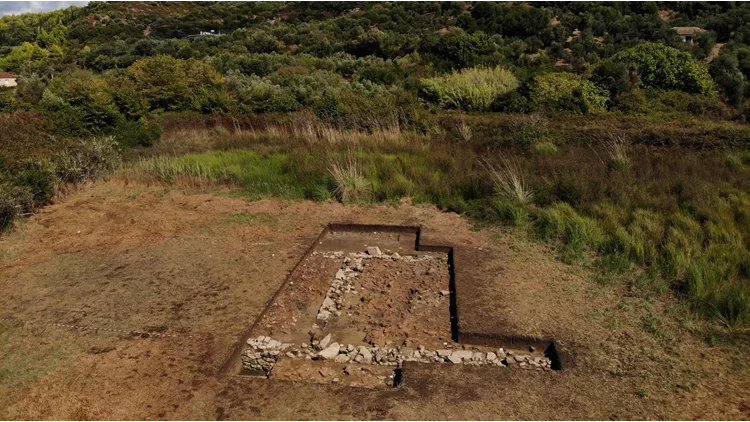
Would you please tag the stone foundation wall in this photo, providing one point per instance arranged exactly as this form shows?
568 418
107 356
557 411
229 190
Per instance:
263 352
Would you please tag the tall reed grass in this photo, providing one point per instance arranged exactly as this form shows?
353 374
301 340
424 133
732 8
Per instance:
473 89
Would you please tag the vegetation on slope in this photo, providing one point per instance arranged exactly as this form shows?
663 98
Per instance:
629 152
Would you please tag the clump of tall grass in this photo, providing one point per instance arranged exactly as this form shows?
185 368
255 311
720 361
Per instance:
737 160
616 147
510 212
14 201
464 131
473 89
714 291
577 234
171 170
87 159
529 129
545 148
507 180
351 184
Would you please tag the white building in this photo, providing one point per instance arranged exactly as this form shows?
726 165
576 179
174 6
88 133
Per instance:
687 33
7 79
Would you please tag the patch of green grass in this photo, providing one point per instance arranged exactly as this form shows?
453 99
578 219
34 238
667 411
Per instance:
654 325
22 364
545 148
576 234
511 212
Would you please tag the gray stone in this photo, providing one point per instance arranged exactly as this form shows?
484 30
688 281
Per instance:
374 252
454 359
465 355
380 355
328 303
330 352
491 356
445 292
443 353
365 354
324 343
273 344
341 359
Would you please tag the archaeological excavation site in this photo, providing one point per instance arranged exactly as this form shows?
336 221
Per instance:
367 302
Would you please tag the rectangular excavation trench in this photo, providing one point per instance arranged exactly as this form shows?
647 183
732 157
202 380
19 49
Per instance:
380 309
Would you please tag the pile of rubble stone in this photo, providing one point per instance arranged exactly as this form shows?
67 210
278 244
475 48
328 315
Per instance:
342 283
264 351
341 353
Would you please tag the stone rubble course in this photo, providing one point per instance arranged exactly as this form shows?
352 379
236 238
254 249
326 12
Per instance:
264 351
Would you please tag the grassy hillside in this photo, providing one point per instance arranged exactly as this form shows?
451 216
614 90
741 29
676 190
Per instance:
594 127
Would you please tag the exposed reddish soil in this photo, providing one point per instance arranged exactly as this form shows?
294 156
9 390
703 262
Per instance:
397 303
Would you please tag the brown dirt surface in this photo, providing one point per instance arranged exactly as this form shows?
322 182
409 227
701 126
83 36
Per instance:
347 374
394 302
399 302
292 314
196 269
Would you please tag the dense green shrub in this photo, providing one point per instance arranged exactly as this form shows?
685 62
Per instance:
725 71
512 102
81 100
528 130
87 159
662 67
169 83
140 133
566 91
461 50
14 200
469 89
614 76
38 177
